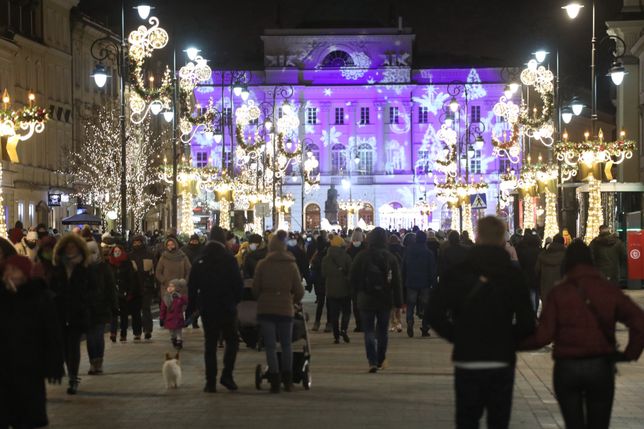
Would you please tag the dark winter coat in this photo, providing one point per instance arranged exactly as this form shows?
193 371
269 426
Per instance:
528 250
482 306
102 297
32 351
71 293
192 251
251 261
609 254
277 284
548 268
368 301
143 261
127 283
215 286
434 246
353 250
574 328
451 255
300 260
419 267
336 266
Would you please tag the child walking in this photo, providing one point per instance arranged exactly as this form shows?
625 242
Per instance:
171 312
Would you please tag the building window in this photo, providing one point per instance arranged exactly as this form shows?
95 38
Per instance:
423 115
279 113
364 116
476 114
339 115
228 115
393 115
315 151
21 211
475 162
32 212
312 217
311 116
365 153
338 159
254 121
201 159
366 214
337 59
423 162
504 165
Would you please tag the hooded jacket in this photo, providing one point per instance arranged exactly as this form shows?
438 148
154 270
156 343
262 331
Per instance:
482 306
419 267
215 285
608 253
127 283
71 284
548 268
336 266
23 248
574 328
277 284
172 265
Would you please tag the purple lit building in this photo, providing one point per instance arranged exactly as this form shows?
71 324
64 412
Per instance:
369 117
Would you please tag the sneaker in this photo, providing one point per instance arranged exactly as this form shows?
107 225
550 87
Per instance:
113 338
73 386
345 337
148 335
383 365
410 331
228 383
399 328
373 369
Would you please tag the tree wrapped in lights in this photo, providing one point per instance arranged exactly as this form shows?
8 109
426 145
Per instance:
96 166
3 223
595 215
528 212
551 227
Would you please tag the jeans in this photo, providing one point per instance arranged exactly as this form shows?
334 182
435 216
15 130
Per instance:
272 331
483 389
146 309
337 306
584 389
72 346
126 309
376 335
418 297
95 338
213 328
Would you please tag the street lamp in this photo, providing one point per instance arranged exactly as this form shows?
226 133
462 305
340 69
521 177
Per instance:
572 9
168 115
100 75
453 105
192 53
577 106
143 10
617 72
566 114
541 55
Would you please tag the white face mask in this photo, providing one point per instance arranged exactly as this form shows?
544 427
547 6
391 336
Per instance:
253 246
357 243
292 243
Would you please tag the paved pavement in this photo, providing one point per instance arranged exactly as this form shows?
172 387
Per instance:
416 391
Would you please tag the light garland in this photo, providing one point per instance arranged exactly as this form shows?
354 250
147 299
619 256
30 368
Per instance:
538 126
595 214
20 125
3 223
467 219
508 144
455 224
528 212
224 213
551 227
187 225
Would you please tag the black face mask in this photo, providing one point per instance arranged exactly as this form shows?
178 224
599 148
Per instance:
42 234
31 244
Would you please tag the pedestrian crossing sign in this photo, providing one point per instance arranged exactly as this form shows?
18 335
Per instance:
478 201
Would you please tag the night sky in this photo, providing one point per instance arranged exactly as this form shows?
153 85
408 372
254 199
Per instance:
448 32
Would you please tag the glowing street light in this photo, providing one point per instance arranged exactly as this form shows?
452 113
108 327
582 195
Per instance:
100 75
572 9
143 10
540 55
617 72
566 114
192 53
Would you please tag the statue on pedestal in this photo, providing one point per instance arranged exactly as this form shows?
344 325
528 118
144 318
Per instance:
331 206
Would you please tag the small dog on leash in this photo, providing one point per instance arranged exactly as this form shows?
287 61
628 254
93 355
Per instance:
171 371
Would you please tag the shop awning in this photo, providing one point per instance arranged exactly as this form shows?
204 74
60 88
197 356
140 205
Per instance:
82 219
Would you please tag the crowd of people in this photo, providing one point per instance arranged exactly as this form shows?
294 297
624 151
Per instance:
484 297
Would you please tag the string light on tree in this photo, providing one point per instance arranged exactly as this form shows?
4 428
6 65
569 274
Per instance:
528 212
595 215
551 226
187 224
3 223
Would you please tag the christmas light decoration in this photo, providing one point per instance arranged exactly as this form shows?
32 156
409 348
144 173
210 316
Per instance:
595 215
187 224
551 227
455 224
3 223
467 219
352 207
20 125
528 212
538 126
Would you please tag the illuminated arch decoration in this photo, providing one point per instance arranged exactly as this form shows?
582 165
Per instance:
506 143
20 125
190 75
142 43
539 126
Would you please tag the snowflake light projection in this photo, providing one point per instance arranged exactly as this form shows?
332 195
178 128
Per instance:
474 89
432 99
331 137
361 64
395 75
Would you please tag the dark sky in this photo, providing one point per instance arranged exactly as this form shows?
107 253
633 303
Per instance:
448 32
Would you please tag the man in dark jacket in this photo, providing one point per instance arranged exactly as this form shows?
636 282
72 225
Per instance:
375 274
482 306
143 261
419 276
193 248
357 245
215 288
609 253
528 250
548 268
452 253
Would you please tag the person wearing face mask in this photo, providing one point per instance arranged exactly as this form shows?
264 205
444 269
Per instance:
256 252
129 293
357 245
231 242
173 264
103 306
297 251
143 262
32 346
28 246
193 248
70 284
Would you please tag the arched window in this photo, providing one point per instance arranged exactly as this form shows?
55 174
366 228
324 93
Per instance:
338 159
312 217
365 153
337 59
342 218
366 214
315 151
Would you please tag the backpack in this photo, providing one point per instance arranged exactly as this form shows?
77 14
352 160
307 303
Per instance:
377 273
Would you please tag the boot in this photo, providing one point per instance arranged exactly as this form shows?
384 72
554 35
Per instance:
99 366
92 367
73 385
178 345
316 326
345 337
228 382
328 328
287 379
274 379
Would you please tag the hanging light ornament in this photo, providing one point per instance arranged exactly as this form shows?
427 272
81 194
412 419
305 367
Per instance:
193 118
506 143
447 163
20 125
536 124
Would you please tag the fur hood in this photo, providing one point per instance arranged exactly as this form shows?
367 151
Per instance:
70 238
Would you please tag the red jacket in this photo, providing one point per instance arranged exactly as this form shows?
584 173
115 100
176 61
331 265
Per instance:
568 321
173 316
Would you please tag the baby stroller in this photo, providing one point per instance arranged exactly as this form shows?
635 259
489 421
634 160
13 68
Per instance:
301 356
247 316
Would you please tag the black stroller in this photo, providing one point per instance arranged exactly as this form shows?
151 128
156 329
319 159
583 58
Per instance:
301 356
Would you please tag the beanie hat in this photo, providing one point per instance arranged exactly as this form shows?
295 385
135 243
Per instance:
255 238
357 235
337 241
22 263
194 237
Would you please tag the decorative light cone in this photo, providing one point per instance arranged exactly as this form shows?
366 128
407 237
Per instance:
595 215
467 219
224 213
456 221
3 224
187 225
528 212
551 226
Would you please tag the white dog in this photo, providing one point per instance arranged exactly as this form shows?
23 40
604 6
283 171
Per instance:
171 371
